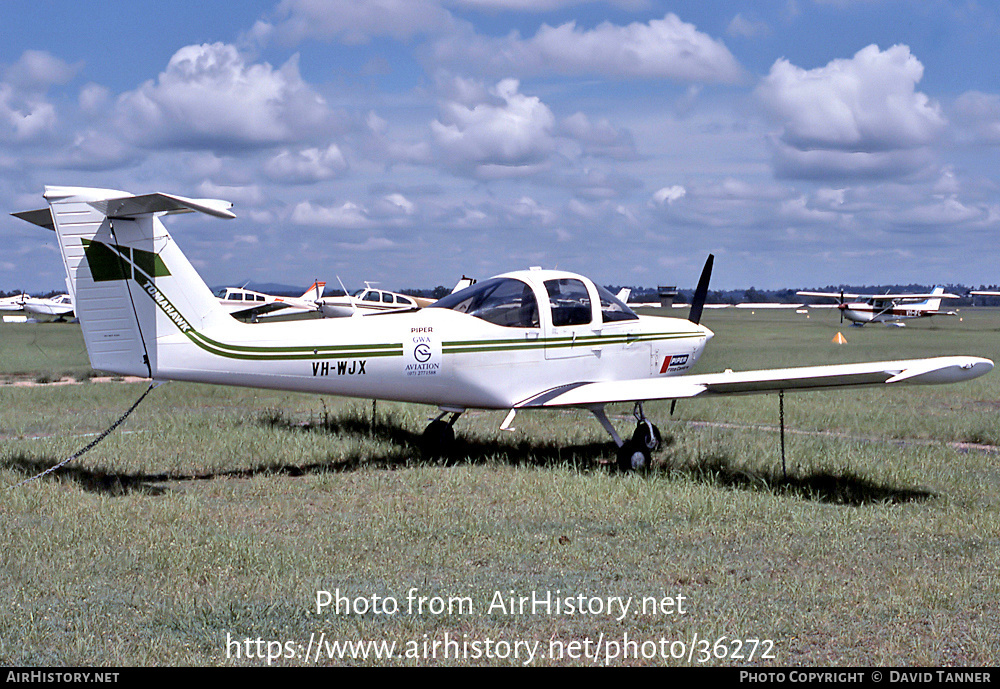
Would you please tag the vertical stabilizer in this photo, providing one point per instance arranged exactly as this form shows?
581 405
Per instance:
934 304
129 282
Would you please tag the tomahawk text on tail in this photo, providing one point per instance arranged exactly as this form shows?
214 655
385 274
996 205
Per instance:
527 339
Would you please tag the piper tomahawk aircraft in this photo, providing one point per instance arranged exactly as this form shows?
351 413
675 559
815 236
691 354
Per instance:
887 308
531 339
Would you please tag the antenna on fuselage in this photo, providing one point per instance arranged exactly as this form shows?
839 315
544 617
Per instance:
701 293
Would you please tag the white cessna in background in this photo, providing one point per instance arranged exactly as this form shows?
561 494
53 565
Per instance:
529 339
887 308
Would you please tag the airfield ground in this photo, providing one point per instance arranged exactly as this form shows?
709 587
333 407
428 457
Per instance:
206 530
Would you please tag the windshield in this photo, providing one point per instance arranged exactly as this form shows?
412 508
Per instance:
612 308
502 301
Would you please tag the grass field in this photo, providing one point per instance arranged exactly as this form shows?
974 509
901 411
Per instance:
204 530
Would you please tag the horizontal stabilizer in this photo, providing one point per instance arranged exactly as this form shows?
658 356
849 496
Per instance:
946 369
132 206
42 217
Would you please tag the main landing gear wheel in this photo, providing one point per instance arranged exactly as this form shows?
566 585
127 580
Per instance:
637 453
647 435
438 438
633 456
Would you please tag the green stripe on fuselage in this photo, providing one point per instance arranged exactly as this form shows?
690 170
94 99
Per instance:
460 346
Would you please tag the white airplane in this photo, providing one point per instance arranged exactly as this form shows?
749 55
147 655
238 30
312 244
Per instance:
530 339
887 308
59 306
247 304
14 303
369 301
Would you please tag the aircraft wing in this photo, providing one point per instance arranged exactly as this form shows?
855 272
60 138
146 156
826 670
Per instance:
833 295
287 306
946 369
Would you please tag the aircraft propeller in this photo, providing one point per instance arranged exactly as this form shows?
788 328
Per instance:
701 292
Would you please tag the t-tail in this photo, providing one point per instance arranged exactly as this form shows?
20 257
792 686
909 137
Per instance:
129 281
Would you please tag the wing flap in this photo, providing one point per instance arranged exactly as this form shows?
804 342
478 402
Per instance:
948 369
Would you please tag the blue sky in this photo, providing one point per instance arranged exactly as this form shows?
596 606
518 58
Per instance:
408 142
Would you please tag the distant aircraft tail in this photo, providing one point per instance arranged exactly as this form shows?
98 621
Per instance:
315 291
129 281
934 304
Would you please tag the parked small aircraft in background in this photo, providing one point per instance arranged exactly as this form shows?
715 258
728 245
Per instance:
59 306
528 339
369 301
247 304
887 308
14 303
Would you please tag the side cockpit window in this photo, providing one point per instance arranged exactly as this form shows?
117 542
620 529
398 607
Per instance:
502 301
570 301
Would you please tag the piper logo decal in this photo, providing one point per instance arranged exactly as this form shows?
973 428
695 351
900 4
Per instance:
671 363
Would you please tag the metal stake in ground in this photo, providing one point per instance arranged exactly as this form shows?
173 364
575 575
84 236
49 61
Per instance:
781 420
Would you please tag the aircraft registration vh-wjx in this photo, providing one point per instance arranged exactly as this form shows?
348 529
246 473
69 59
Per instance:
530 339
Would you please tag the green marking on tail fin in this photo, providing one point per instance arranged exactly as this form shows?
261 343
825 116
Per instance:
113 262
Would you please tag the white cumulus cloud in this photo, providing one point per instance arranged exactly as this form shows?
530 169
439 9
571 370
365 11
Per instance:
665 48
210 96
306 166
512 132
861 114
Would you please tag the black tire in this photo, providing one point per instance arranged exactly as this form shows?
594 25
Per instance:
633 457
643 438
438 439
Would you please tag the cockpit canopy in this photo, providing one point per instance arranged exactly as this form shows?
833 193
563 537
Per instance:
236 294
369 294
513 302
